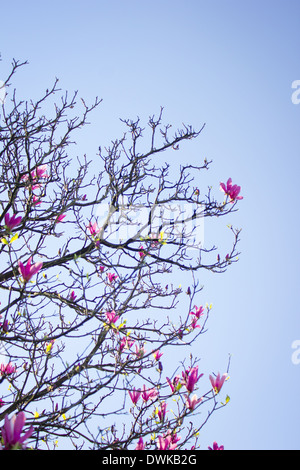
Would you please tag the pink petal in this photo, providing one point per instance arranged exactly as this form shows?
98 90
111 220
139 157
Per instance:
18 425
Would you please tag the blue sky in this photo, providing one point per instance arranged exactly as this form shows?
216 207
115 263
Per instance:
229 64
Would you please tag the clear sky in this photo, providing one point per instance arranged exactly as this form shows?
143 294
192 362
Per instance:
230 64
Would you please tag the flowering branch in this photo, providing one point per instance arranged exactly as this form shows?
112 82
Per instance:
86 329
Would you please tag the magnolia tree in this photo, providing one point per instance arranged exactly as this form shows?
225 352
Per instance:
91 302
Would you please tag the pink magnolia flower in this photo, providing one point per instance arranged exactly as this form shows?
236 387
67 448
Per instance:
94 229
196 315
11 222
7 369
39 172
191 402
199 311
11 432
112 317
142 254
231 190
126 342
216 447
72 296
217 382
140 351
140 445
4 326
190 378
149 394
157 355
163 443
29 269
36 201
194 323
101 269
134 395
161 413
60 218
111 277
174 383
167 441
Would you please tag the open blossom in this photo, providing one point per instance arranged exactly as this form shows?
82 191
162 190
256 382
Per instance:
198 311
167 441
94 229
39 172
217 382
216 447
134 395
112 317
196 315
231 190
157 355
111 277
191 402
7 369
126 342
11 432
194 323
12 222
149 394
190 378
175 383
29 269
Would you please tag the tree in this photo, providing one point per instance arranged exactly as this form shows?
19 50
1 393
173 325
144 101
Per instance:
89 305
